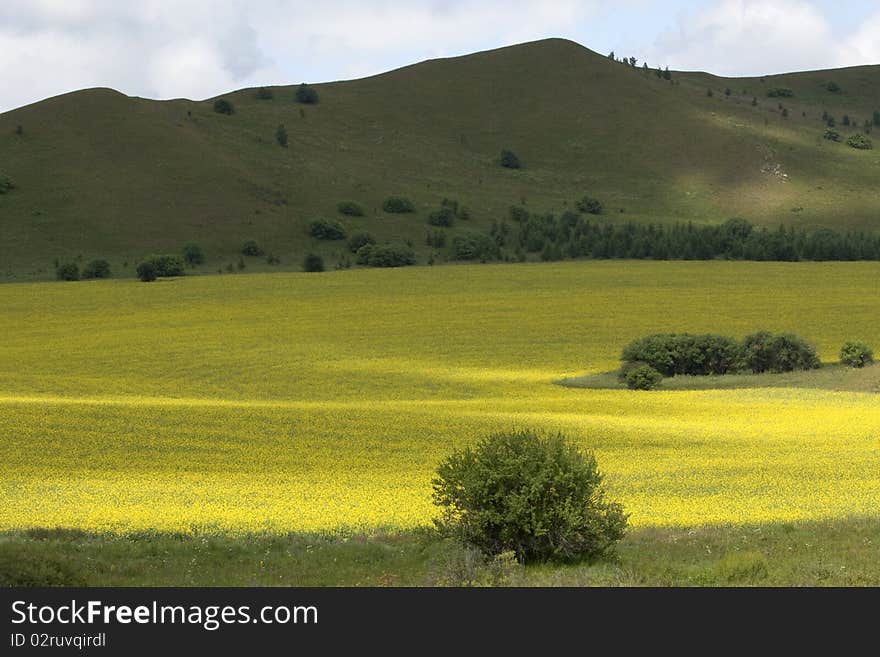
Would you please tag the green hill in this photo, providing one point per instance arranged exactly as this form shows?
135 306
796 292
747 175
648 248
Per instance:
100 174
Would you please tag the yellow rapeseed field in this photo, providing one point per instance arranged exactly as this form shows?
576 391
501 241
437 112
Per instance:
297 402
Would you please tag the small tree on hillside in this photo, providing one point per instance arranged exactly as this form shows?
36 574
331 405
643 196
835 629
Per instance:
264 93
313 263
252 248
860 142
67 272
193 255
509 160
281 136
146 271
306 95
96 269
6 184
223 106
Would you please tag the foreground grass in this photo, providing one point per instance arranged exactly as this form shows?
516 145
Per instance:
835 377
829 553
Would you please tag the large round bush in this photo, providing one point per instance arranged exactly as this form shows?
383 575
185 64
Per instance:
69 271
146 271
541 498
398 205
96 269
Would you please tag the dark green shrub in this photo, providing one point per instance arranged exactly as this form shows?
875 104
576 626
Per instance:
6 183
193 255
642 376
22 566
350 208
398 205
768 352
474 246
833 87
281 135
146 271
509 160
856 354
264 93
540 498
859 141
273 259
684 353
590 205
519 214
166 265
252 248
313 263
96 269
831 134
326 230
69 271
443 217
306 94
358 240
449 210
223 106
780 92
385 255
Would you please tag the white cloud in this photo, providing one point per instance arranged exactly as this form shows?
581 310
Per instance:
864 46
756 37
201 48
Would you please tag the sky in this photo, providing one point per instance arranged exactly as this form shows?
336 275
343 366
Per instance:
202 48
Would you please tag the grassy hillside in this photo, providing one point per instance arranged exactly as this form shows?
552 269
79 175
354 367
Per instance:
99 174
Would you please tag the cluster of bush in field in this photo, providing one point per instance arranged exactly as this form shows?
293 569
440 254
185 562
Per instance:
647 360
70 271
